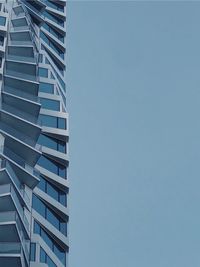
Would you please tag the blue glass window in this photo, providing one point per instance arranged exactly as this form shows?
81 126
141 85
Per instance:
50 104
48 164
43 255
51 121
52 166
52 143
40 58
52 191
1 40
50 215
50 263
2 21
52 218
32 252
46 238
61 123
52 45
43 72
36 228
53 32
56 6
54 18
59 252
41 208
46 88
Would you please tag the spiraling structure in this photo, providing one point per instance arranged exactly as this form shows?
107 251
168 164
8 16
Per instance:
33 134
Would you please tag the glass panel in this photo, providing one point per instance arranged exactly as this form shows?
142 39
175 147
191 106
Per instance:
63 228
40 58
52 143
52 45
38 205
60 254
51 121
53 32
48 164
51 190
50 262
62 198
36 228
61 123
54 5
50 104
42 184
42 255
46 238
2 21
43 72
46 88
32 254
52 218
54 19
61 146
62 172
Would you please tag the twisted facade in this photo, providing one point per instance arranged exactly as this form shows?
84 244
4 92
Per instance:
33 134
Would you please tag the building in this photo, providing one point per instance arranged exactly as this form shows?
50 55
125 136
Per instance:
33 134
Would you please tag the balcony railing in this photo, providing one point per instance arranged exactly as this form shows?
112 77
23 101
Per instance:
20 93
10 248
21 114
20 161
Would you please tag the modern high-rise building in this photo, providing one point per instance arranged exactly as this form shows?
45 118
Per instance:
33 134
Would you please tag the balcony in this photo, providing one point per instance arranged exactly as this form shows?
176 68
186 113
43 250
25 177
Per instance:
11 255
28 87
9 107
15 181
27 174
21 94
34 12
10 202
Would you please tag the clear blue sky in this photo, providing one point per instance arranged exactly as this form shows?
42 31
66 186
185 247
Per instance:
134 86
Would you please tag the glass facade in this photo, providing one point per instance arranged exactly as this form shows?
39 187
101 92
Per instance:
32 44
54 122
53 191
46 88
52 143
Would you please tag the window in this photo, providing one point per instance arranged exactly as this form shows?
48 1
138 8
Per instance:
52 143
50 216
52 76
44 258
2 21
32 253
52 45
53 191
53 32
46 88
39 206
52 166
43 72
43 255
1 40
40 58
59 252
51 121
56 6
47 61
54 18
61 123
50 104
